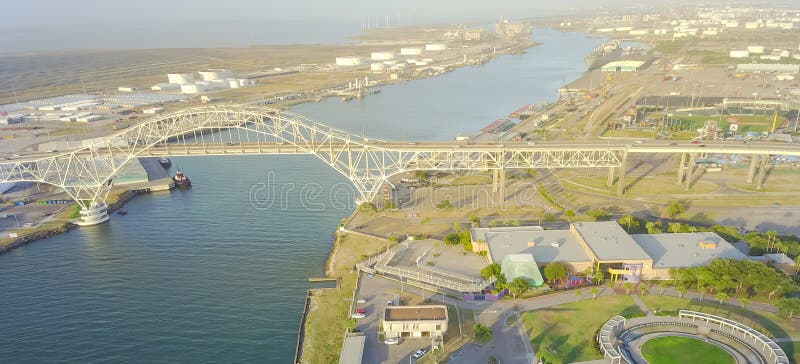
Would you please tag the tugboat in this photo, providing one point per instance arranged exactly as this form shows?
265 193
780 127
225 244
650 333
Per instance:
165 162
181 181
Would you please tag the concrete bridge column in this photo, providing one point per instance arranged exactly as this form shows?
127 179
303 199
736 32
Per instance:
689 172
495 180
622 167
681 167
762 171
610 181
751 173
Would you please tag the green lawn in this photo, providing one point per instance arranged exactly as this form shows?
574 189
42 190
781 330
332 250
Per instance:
566 333
773 325
680 350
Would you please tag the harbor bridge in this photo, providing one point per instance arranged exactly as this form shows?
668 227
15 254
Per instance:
87 173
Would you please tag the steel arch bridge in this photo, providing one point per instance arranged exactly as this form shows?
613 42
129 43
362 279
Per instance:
87 173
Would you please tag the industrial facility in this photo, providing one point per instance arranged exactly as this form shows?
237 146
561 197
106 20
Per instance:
619 255
210 80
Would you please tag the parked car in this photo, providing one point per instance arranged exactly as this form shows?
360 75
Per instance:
392 341
362 300
361 310
389 303
358 315
694 142
419 353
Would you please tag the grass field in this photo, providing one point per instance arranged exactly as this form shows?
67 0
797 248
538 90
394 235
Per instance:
747 123
628 134
566 332
770 323
679 350
646 187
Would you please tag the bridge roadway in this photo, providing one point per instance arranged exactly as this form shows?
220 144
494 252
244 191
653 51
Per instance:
174 149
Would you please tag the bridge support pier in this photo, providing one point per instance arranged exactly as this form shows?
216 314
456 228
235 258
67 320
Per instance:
689 173
762 172
681 168
751 173
94 214
621 181
495 180
610 181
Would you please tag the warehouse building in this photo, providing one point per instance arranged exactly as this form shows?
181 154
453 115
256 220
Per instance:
619 255
622 66
414 321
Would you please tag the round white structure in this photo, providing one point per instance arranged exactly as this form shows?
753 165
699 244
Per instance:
382 56
435 47
349 61
93 215
739 54
410 51
214 75
180 78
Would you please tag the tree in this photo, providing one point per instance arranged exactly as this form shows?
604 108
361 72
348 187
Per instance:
593 290
555 271
475 220
492 360
796 264
721 297
518 286
424 223
491 270
662 285
482 332
451 239
444 205
643 289
789 306
578 294
681 290
421 175
627 286
627 220
653 228
569 214
674 227
675 208
515 223
703 290
492 223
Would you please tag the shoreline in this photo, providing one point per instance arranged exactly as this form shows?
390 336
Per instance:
518 47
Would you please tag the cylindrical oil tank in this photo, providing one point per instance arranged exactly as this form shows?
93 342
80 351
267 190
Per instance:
180 78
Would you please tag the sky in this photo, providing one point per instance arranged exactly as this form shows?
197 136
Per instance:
40 13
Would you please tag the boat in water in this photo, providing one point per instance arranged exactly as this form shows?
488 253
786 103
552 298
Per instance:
165 162
181 181
603 54
122 212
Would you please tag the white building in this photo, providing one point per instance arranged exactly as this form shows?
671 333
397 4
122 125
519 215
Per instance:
180 78
377 67
349 61
215 74
126 89
415 321
430 47
382 56
739 54
410 51
755 49
165 87
192 88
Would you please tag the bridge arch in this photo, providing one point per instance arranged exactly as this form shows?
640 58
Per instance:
87 173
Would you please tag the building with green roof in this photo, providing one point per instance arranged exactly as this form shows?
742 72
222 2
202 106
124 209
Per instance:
521 266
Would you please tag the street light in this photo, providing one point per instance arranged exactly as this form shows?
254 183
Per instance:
15 218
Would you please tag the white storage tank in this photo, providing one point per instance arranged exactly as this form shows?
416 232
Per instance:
214 75
739 54
410 51
193 88
785 53
349 61
382 56
180 78
435 47
756 49
377 67
234 83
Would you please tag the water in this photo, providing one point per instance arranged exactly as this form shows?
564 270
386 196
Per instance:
218 273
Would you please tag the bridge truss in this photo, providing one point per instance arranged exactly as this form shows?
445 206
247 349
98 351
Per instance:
87 173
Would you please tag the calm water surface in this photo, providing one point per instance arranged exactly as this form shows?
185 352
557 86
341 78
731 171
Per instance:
218 273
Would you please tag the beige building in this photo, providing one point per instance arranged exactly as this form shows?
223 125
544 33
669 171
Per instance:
415 321
619 255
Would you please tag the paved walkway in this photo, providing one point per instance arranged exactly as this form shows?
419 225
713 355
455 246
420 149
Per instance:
641 305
